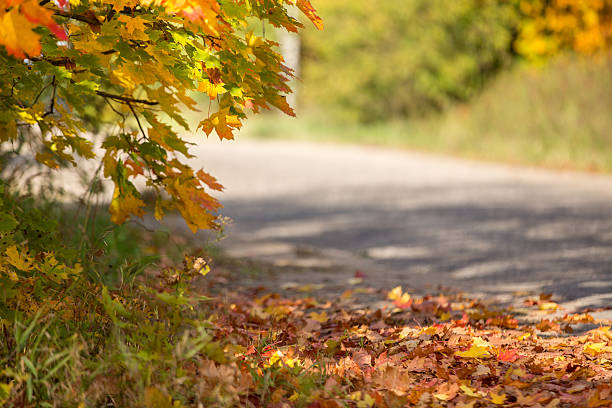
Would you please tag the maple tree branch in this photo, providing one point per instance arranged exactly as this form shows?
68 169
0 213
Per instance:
126 99
79 17
52 105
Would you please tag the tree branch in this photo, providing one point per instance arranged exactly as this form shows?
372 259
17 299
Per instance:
41 92
52 105
114 110
126 99
91 20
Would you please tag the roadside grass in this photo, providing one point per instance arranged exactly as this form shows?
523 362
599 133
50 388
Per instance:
556 116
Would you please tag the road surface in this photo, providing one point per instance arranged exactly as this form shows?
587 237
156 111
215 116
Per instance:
420 219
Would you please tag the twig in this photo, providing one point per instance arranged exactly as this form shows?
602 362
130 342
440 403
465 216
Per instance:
137 121
114 110
141 225
40 93
52 105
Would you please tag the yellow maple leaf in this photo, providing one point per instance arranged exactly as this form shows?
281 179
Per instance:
470 392
497 399
319 317
11 274
480 349
123 77
474 352
223 123
593 349
134 28
430 330
523 336
193 203
445 316
602 333
124 205
211 89
480 342
395 293
548 306
18 260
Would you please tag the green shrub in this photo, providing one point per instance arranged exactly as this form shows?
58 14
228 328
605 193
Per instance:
385 59
81 322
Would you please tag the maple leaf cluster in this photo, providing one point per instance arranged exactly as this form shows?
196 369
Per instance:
129 70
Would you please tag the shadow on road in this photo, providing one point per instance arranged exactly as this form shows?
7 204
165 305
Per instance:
487 238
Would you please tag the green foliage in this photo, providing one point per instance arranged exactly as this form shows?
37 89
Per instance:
142 60
74 326
382 60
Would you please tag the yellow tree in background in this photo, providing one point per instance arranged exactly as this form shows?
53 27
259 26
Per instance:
549 27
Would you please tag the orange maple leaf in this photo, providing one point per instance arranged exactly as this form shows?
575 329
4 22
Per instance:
17 36
310 12
508 355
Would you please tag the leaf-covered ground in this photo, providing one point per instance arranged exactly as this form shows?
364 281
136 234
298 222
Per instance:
442 350
179 333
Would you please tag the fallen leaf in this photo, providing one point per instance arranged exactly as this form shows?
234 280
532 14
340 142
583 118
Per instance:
319 317
469 404
497 399
594 349
508 356
470 392
548 306
446 391
481 370
362 359
474 352
395 293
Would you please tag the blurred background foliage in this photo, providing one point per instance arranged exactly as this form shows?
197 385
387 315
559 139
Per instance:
522 81
381 60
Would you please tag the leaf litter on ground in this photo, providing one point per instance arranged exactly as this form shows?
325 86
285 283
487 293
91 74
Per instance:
299 350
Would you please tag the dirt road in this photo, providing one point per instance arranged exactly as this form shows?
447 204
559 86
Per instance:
418 219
